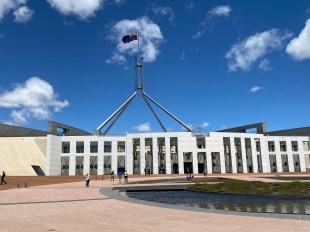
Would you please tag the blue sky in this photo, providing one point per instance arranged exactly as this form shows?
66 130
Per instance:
213 64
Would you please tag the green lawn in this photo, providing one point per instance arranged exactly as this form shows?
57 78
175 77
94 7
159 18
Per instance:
246 187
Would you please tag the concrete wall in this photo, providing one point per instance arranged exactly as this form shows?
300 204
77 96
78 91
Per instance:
17 154
16 131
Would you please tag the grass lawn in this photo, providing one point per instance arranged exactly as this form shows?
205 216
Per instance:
255 187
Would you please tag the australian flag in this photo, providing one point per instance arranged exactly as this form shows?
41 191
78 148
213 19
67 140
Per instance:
129 38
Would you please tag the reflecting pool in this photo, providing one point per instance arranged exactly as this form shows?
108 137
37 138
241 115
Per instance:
229 201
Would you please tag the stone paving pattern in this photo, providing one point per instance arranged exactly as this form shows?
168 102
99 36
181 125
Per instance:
73 207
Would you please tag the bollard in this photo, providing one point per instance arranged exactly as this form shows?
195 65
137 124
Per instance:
18 184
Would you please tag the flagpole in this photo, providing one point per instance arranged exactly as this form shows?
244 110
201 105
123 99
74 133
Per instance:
138 46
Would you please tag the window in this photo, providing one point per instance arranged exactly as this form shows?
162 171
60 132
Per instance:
306 145
174 145
294 146
201 142
93 147
79 147
65 147
107 147
283 146
271 146
121 146
257 144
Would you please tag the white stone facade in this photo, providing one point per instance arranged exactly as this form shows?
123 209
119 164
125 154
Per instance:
253 154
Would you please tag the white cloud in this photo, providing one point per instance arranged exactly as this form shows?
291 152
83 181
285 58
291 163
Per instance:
220 11
198 34
244 54
116 58
150 38
164 11
21 11
254 89
33 99
208 23
81 8
204 125
299 47
145 127
23 14
264 65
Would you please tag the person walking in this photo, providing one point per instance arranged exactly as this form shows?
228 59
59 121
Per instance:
3 178
87 180
126 176
120 176
112 176
205 172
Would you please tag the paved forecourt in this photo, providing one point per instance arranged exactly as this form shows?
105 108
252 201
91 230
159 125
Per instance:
72 207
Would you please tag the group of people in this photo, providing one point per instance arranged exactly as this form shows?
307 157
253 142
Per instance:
120 175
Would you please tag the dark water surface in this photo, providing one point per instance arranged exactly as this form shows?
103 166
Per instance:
229 201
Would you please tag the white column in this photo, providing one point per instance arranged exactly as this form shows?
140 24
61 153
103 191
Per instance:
129 156
209 162
72 165
278 156
155 155
301 157
86 163
195 162
142 155
254 156
181 160
233 155
100 157
168 155
265 155
222 161
243 152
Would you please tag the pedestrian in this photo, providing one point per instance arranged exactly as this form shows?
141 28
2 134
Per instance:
205 172
149 171
87 180
188 177
126 176
112 176
3 178
120 176
145 171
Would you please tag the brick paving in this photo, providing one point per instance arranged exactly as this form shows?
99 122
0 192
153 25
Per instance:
72 207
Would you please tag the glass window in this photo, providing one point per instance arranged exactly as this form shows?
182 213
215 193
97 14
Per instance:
107 147
121 146
238 155
201 142
65 147
294 146
283 146
79 147
271 146
93 147
174 145
306 145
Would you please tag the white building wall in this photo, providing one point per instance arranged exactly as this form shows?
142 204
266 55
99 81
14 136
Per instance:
53 155
186 143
